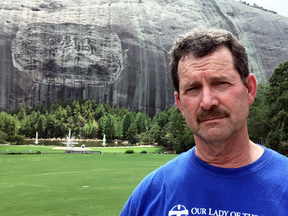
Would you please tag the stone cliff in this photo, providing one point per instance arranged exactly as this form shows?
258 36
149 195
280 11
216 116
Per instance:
116 51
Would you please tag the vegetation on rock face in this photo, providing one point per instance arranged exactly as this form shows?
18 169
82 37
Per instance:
257 6
268 119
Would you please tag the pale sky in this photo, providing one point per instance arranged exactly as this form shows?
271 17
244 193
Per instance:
279 6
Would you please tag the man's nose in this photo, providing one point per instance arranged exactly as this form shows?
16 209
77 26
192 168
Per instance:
209 99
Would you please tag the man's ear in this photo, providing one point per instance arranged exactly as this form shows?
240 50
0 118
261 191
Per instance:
176 95
251 88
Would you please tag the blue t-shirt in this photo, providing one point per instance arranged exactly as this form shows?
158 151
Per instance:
188 186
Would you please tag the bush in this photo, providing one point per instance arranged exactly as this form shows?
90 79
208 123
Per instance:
18 139
143 152
38 152
134 139
129 151
146 139
3 137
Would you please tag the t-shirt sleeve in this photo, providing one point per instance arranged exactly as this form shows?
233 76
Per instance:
129 208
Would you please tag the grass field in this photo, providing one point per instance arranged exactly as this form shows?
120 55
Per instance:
71 184
49 149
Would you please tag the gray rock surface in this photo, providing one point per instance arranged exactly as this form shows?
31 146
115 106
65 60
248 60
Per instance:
116 51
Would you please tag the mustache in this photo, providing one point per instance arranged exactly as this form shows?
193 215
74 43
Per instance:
207 114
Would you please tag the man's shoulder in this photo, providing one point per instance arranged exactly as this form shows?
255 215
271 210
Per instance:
154 187
171 170
278 164
278 158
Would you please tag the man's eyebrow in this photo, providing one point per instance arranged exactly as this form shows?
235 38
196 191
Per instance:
191 84
218 78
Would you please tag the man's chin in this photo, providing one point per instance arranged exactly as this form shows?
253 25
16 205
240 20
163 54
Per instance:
212 135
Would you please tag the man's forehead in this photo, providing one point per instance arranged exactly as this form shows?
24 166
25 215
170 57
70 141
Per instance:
222 53
205 64
220 57
214 77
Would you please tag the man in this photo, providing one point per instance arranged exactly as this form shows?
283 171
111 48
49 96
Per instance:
226 174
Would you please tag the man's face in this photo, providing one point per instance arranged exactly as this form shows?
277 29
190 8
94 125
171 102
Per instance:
212 97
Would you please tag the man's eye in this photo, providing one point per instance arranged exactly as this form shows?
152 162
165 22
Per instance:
192 90
223 83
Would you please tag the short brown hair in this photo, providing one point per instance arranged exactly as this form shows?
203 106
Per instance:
202 42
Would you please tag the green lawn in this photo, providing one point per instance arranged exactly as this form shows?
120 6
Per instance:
71 184
29 149
123 149
49 149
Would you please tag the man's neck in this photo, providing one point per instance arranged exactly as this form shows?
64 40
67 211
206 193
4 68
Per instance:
228 154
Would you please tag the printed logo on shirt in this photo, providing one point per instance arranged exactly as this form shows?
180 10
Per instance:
178 210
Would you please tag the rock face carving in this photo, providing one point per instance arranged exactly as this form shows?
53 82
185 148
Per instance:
50 53
116 51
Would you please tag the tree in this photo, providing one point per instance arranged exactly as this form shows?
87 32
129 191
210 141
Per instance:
63 129
122 112
25 127
41 126
132 133
3 137
8 124
69 111
257 122
118 128
141 122
39 107
155 131
162 119
186 140
60 113
102 109
34 117
80 120
176 133
21 114
108 129
53 107
90 129
146 138
76 108
50 125
126 124
277 101
101 126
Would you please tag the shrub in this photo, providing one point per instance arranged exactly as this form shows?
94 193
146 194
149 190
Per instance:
3 137
143 152
18 139
129 151
38 152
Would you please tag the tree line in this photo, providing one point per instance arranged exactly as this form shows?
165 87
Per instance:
88 120
268 116
267 120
